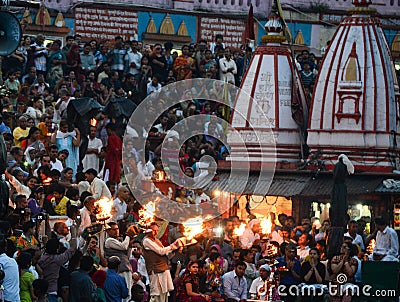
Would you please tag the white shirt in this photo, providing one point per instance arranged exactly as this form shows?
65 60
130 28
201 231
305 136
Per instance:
224 75
57 165
98 188
160 128
63 106
358 240
303 252
85 219
11 279
146 169
160 283
387 243
248 238
112 243
141 268
151 88
201 198
258 283
121 207
91 161
36 114
133 57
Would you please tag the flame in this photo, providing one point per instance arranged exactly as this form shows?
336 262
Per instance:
159 175
47 181
146 214
104 206
238 231
193 227
371 246
266 225
93 122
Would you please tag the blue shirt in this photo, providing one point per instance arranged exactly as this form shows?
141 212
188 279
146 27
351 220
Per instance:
82 286
11 280
288 279
234 287
115 287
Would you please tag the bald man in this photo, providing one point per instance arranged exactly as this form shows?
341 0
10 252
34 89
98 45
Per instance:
21 131
120 203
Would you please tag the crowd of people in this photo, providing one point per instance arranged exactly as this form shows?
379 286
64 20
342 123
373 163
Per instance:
76 259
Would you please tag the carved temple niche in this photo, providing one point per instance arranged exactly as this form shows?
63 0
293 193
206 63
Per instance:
167 27
350 88
166 32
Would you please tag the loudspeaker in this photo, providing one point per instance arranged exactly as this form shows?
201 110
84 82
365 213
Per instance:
10 33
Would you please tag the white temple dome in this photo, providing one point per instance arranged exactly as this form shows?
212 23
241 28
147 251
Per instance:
355 105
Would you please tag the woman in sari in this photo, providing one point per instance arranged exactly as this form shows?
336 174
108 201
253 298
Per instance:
55 64
33 141
68 141
189 285
184 65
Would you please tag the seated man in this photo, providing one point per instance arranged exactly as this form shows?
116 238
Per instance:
235 285
257 288
387 242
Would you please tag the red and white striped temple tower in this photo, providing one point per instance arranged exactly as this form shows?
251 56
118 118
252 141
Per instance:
273 82
355 106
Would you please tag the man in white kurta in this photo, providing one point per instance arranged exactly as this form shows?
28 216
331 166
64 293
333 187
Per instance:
114 247
251 233
98 188
387 242
91 159
160 282
227 68
120 204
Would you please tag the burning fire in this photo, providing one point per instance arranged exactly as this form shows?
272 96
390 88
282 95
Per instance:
104 206
266 225
193 227
146 214
371 246
159 175
238 231
93 122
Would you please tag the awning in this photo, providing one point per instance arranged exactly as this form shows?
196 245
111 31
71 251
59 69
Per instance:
293 184
283 184
356 184
389 186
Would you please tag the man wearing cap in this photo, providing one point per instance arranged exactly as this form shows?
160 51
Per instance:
155 255
258 289
115 287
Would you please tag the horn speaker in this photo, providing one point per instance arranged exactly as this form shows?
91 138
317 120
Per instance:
10 33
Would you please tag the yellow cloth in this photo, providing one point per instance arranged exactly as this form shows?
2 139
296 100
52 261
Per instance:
61 207
19 133
24 242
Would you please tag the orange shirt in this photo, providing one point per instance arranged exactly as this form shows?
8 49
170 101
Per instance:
24 242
